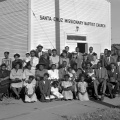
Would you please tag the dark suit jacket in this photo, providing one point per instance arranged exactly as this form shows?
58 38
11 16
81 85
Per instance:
106 63
101 74
114 76
44 88
37 53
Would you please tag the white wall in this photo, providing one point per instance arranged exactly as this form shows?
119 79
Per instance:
13 27
42 32
96 11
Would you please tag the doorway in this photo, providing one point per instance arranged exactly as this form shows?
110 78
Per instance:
82 47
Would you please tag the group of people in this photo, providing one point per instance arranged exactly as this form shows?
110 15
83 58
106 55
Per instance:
48 76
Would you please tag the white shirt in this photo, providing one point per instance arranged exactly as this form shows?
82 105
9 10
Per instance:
34 61
53 74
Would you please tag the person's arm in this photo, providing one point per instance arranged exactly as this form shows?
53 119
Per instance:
12 77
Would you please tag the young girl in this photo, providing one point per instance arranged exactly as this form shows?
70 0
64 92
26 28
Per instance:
82 89
67 88
30 95
55 94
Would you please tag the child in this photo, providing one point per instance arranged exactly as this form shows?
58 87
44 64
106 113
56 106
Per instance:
27 59
55 91
30 90
67 88
44 87
82 89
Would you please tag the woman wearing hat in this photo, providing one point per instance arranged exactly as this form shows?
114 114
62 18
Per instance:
7 61
17 59
16 77
40 71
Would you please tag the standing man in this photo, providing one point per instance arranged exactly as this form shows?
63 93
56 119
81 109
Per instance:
90 55
39 51
79 57
69 55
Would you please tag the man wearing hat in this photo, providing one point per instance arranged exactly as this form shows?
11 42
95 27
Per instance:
17 59
7 61
39 51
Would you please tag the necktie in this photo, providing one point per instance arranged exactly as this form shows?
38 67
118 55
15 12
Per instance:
31 61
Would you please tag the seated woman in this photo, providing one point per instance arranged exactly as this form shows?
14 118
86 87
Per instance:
40 71
30 95
55 94
44 87
67 88
4 80
53 73
82 89
28 72
16 77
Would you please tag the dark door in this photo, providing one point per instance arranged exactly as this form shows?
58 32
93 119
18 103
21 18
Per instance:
82 47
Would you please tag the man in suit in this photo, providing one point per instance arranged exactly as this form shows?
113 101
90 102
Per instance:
39 51
107 60
101 80
69 55
44 87
90 55
63 70
114 78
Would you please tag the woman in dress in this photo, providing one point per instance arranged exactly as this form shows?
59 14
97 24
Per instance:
16 77
82 89
28 72
67 88
55 94
30 95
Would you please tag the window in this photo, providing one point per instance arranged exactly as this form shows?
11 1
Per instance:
76 37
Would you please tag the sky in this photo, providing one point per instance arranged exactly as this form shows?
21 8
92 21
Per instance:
115 12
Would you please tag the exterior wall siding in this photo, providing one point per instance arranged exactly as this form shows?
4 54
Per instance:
13 27
42 31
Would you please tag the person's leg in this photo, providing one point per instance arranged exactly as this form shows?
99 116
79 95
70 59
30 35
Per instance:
96 83
103 86
109 85
15 91
115 88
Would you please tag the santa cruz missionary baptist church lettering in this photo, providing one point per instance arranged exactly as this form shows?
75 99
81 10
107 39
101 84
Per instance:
48 18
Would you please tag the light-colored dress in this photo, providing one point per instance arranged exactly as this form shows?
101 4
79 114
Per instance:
53 74
68 95
55 91
30 89
16 74
82 88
